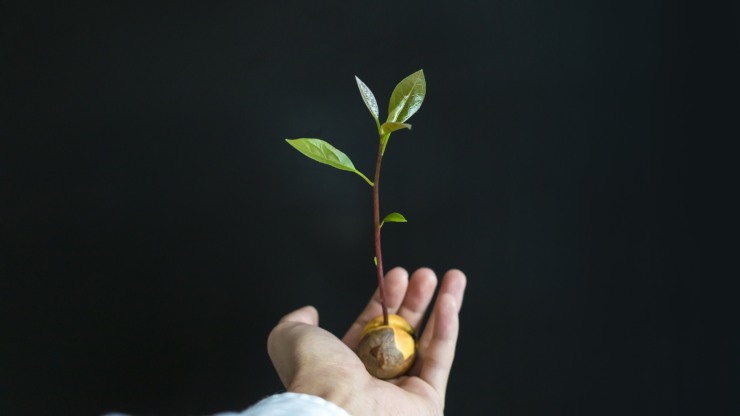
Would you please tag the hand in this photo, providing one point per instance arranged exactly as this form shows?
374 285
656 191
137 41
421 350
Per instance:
311 360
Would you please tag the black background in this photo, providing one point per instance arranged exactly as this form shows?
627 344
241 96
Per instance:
155 225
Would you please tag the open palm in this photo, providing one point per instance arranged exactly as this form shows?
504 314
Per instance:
311 360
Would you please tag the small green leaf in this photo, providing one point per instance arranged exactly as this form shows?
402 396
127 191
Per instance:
369 98
393 217
323 152
375 260
391 126
407 97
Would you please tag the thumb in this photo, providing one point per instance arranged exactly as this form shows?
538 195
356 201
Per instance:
282 344
305 315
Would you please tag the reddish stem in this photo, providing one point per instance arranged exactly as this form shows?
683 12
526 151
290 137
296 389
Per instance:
376 220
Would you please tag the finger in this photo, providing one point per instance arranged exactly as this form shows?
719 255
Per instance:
453 283
283 337
437 358
306 315
418 296
396 283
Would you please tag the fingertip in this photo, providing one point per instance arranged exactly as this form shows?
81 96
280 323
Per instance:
424 270
397 273
396 280
454 283
396 285
307 315
458 276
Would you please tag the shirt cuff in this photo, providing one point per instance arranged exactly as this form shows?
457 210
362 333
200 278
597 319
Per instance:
292 404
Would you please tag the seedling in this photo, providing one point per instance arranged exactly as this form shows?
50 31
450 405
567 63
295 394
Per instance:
385 349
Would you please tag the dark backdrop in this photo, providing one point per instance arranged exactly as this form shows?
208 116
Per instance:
155 225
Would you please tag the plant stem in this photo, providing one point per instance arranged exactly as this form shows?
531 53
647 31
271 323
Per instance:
376 221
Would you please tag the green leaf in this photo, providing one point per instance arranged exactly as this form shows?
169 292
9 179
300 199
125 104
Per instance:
391 126
375 260
323 152
369 98
407 97
393 217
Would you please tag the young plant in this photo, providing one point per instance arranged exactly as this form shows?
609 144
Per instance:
387 347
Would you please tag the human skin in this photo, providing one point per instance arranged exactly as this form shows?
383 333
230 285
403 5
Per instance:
311 360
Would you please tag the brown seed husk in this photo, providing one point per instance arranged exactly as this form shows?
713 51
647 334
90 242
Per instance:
387 351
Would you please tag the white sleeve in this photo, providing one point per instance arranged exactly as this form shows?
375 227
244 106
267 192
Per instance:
292 404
